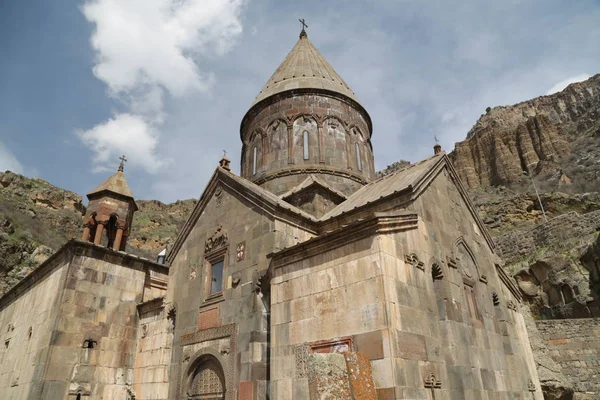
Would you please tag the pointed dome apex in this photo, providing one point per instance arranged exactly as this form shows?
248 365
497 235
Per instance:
304 68
115 184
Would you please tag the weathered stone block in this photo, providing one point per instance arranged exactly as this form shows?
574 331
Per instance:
328 377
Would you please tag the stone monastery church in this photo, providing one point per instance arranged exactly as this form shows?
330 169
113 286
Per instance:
304 278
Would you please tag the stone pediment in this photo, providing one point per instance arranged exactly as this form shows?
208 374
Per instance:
314 196
270 204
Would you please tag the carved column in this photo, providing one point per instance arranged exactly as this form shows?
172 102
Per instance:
290 132
320 141
99 231
118 238
86 233
123 243
265 146
121 225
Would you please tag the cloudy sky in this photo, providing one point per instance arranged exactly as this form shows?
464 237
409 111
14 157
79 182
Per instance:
166 82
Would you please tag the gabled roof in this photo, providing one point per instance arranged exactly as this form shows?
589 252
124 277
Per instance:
309 182
115 184
411 180
396 182
253 193
304 68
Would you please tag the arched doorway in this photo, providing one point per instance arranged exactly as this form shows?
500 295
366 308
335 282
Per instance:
206 380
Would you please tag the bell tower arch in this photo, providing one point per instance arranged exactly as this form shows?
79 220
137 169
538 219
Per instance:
110 211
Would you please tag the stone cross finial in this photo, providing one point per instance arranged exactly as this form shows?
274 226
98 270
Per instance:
304 26
437 148
123 161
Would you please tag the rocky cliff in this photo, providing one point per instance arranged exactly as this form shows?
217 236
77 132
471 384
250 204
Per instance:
559 133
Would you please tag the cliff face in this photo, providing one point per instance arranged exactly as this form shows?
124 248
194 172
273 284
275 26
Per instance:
534 136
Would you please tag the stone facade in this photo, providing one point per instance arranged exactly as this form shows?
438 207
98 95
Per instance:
575 346
418 298
303 279
72 326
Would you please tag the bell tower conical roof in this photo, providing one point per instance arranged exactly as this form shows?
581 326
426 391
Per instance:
304 68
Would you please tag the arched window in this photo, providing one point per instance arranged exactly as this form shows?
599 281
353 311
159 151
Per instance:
305 144
207 381
254 160
78 396
358 159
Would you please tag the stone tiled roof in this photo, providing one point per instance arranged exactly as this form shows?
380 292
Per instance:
116 184
396 182
304 68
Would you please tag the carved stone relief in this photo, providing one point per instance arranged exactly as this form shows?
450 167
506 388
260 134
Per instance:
218 239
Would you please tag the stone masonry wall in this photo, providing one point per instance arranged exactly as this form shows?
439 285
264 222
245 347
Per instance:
515 245
26 324
575 345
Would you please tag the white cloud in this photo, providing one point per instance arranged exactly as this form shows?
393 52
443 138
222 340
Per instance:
8 162
145 49
566 82
124 134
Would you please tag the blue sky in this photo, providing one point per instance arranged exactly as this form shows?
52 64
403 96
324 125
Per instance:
167 81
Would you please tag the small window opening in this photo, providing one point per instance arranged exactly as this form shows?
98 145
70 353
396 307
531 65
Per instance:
254 161
89 344
305 144
29 332
436 272
358 159
216 284
7 343
495 299
78 396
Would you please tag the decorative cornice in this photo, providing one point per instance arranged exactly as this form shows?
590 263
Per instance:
306 170
255 109
385 222
150 305
217 332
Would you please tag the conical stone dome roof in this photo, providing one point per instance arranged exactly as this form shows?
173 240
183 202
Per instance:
304 68
115 184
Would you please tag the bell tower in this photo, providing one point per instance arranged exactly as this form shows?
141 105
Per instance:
306 121
110 212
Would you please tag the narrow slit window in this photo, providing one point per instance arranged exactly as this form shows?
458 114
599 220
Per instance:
216 281
254 153
305 141
358 160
